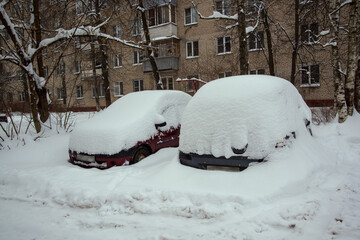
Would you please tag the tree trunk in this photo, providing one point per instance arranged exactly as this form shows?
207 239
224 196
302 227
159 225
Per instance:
104 56
243 48
351 62
296 43
269 42
33 106
96 83
149 51
357 88
43 105
339 93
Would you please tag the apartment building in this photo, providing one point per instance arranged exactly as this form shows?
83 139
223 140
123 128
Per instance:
184 45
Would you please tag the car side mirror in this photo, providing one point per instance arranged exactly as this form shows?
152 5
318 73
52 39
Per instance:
159 125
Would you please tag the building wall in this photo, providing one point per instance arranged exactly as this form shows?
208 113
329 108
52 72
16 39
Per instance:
208 65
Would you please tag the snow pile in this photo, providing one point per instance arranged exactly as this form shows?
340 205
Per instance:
129 120
235 111
307 190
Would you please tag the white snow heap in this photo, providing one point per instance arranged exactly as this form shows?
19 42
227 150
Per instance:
130 119
228 113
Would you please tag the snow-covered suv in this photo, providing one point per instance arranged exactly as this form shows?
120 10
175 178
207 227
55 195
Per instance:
238 120
129 130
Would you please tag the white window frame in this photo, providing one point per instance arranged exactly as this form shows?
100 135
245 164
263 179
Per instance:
79 92
59 93
192 53
117 61
101 91
225 74
193 16
309 73
21 96
118 89
140 86
137 27
224 38
225 7
117 31
259 43
77 67
256 71
137 57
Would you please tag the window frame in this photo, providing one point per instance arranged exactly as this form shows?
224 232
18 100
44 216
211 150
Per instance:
79 94
139 57
312 72
309 34
192 49
101 91
120 86
257 41
117 60
193 19
140 87
225 6
224 42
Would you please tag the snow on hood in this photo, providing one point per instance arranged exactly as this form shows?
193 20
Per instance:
127 121
228 113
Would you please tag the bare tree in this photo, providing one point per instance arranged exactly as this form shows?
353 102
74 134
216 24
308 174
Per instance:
351 62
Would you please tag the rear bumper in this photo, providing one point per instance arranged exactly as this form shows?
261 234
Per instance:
202 161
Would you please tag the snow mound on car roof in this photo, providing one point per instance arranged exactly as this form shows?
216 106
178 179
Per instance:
231 112
127 121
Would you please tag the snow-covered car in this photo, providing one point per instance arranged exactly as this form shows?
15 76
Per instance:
129 130
238 120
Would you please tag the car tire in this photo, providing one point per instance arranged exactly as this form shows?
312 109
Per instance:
140 153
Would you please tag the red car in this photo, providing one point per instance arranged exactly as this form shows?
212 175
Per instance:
128 131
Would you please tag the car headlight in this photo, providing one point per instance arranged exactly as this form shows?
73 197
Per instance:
85 158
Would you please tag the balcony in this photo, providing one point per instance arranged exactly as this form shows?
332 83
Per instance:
161 31
86 74
166 56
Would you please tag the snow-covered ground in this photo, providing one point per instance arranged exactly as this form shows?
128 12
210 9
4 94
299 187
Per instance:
309 190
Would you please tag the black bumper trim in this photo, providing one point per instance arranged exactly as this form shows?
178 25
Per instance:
202 161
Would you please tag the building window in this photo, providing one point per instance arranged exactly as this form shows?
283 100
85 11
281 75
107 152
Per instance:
257 72
256 40
20 75
10 97
76 42
137 57
223 45
79 91
118 89
59 93
225 74
46 71
159 15
192 49
223 7
168 83
253 5
190 85
22 96
137 27
101 91
190 16
117 61
138 85
60 70
117 31
310 75
309 33
77 67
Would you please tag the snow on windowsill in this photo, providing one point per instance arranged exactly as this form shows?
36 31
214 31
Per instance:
192 57
190 24
224 53
310 85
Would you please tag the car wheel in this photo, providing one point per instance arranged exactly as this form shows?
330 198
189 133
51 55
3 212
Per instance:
141 153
